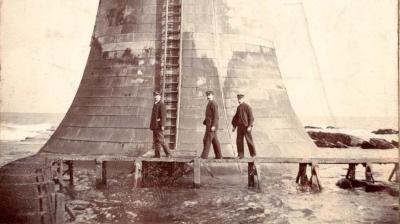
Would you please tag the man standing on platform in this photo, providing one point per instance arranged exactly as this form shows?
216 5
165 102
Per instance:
243 120
157 125
211 123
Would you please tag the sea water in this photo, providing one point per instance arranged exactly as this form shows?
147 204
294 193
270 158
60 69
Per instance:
224 198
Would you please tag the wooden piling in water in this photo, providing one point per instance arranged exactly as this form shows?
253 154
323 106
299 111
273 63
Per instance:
351 171
196 172
368 173
259 175
70 170
395 173
59 208
252 172
302 178
101 173
138 173
314 180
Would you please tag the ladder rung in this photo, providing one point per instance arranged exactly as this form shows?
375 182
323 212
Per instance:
172 48
172 5
171 91
169 41
173 12
172 24
173 31
172 56
174 38
169 66
170 100
172 65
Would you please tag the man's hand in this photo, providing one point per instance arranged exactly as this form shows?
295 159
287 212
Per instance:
158 119
233 129
162 128
212 128
249 129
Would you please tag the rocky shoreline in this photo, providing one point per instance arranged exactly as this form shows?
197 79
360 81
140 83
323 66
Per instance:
335 139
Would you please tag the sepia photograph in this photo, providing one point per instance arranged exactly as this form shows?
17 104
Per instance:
199 111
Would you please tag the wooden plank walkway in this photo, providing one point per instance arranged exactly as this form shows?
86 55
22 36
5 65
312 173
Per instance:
189 159
253 164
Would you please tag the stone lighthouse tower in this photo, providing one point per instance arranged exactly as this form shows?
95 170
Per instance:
182 48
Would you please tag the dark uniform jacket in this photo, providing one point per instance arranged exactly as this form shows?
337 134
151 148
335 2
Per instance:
212 115
243 116
158 113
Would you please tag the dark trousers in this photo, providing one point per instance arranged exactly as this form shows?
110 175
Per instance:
210 137
159 141
241 134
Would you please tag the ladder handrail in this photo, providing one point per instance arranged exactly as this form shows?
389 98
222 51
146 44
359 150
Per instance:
165 49
172 63
178 105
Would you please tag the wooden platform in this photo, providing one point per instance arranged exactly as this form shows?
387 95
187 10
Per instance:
197 163
190 158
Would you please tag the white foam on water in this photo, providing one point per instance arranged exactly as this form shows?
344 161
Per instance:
16 132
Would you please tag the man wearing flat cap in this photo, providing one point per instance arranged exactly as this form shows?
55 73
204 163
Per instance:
157 125
211 123
243 120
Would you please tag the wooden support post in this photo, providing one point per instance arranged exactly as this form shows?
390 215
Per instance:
60 169
70 213
59 174
138 173
208 169
368 173
259 177
351 171
70 164
251 172
395 173
302 178
196 172
315 183
101 173
59 208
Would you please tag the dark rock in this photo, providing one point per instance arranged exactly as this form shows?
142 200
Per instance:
324 144
330 127
358 183
377 143
342 145
334 140
374 187
386 131
396 144
394 191
79 208
367 145
312 127
344 183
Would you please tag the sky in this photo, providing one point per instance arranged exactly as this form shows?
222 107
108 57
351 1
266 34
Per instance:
337 58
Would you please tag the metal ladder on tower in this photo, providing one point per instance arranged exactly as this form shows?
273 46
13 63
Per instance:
170 67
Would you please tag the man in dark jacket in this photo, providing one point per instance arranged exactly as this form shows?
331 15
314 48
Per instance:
243 120
211 123
157 125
